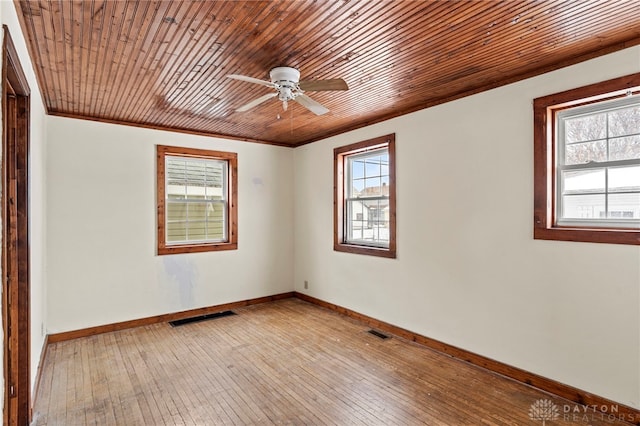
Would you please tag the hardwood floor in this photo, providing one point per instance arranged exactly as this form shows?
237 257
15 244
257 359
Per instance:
284 362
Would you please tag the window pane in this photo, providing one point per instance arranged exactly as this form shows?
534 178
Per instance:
195 178
197 211
194 175
176 197
368 221
624 179
195 205
175 169
214 180
369 174
587 128
176 232
626 148
215 230
581 153
624 206
196 231
583 206
357 187
624 121
377 220
373 167
216 210
372 187
176 211
176 192
355 220
582 181
215 221
357 170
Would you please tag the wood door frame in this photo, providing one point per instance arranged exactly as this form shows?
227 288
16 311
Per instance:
15 237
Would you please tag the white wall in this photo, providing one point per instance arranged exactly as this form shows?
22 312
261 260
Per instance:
101 221
37 191
468 271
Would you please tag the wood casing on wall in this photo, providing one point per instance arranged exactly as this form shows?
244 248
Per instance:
16 293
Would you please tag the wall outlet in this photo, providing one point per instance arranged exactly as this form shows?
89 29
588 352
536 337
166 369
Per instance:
306 284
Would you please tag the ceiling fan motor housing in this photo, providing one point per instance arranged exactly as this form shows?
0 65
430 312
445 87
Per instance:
286 82
286 78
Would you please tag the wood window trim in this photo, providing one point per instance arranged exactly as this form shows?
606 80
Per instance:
544 108
232 192
338 197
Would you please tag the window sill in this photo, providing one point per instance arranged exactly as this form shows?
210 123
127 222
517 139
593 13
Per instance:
588 235
366 250
196 248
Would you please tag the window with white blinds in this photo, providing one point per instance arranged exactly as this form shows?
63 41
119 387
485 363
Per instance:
197 200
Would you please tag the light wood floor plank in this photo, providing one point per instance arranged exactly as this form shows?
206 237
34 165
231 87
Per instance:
284 362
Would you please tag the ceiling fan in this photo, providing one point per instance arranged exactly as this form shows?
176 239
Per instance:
288 87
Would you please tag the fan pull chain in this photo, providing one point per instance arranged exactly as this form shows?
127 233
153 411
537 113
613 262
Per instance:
291 121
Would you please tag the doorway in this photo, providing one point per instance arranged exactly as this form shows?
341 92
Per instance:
15 237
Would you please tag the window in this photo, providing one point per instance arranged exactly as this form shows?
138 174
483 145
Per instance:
365 197
197 200
587 163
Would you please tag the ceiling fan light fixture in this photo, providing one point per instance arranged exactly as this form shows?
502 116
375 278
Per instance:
286 93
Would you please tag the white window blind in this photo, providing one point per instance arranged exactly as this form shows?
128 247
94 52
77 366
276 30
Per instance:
196 200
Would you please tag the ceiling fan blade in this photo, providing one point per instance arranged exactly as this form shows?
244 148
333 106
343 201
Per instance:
256 102
251 80
310 104
318 85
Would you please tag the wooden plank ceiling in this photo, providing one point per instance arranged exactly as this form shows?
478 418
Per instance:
163 64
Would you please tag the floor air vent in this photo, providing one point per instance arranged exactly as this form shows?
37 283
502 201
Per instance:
378 334
206 317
